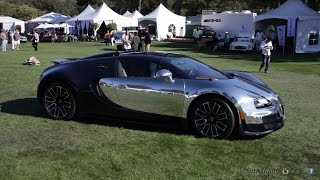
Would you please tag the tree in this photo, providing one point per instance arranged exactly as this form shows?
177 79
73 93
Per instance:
112 26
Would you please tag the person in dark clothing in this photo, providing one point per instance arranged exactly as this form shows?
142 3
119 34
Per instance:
147 41
141 35
35 40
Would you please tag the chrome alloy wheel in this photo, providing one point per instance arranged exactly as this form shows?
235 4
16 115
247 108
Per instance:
59 102
212 117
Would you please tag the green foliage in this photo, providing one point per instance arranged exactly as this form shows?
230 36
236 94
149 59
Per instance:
23 12
111 26
94 26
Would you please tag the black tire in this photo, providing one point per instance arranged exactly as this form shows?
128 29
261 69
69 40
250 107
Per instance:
59 101
212 118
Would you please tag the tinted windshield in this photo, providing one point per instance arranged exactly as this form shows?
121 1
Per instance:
193 69
118 35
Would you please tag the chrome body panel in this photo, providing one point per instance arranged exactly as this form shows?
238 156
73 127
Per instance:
241 94
107 86
146 94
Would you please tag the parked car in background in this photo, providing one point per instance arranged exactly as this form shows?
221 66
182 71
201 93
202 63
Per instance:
23 39
207 31
243 42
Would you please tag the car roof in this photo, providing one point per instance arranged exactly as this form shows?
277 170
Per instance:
161 54
156 53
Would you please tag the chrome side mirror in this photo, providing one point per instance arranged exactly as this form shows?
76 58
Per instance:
166 74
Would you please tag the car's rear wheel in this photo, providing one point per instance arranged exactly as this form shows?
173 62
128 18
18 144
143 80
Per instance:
212 117
59 101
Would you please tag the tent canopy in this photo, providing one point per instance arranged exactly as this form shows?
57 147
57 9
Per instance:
7 19
127 14
104 13
11 23
291 8
135 15
47 26
161 12
50 18
88 10
165 18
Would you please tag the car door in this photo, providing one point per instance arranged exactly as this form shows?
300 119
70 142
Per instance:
137 88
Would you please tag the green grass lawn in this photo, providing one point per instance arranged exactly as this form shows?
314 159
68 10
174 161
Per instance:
35 147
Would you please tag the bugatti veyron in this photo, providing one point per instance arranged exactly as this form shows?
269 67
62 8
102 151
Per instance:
161 85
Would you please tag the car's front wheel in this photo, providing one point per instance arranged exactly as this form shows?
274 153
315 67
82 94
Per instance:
59 101
212 117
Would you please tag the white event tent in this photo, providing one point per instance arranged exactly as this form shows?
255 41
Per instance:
73 21
163 19
126 14
106 15
66 27
52 17
302 22
134 17
11 23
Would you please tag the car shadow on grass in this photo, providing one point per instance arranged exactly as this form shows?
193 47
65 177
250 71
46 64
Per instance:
23 107
31 107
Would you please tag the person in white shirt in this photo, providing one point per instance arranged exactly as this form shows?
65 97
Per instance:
16 40
266 47
11 38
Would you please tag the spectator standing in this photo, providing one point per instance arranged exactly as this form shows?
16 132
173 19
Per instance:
258 38
274 39
4 40
141 35
10 34
135 42
16 40
107 38
226 41
147 41
126 41
266 47
197 33
35 40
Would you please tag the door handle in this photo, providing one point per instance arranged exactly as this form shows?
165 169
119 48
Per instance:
102 68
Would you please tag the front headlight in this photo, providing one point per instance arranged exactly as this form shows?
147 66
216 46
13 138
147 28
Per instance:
262 102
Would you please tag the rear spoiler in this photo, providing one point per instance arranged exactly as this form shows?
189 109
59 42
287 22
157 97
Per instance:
62 61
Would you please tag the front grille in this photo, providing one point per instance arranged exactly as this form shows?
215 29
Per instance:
271 118
240 47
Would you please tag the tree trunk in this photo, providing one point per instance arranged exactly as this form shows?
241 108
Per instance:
140 5
178 6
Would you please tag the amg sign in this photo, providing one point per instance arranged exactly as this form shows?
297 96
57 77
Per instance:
212 20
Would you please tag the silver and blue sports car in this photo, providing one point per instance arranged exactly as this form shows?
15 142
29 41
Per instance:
161 86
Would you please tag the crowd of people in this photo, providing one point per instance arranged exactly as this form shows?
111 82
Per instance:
130 41
13 37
